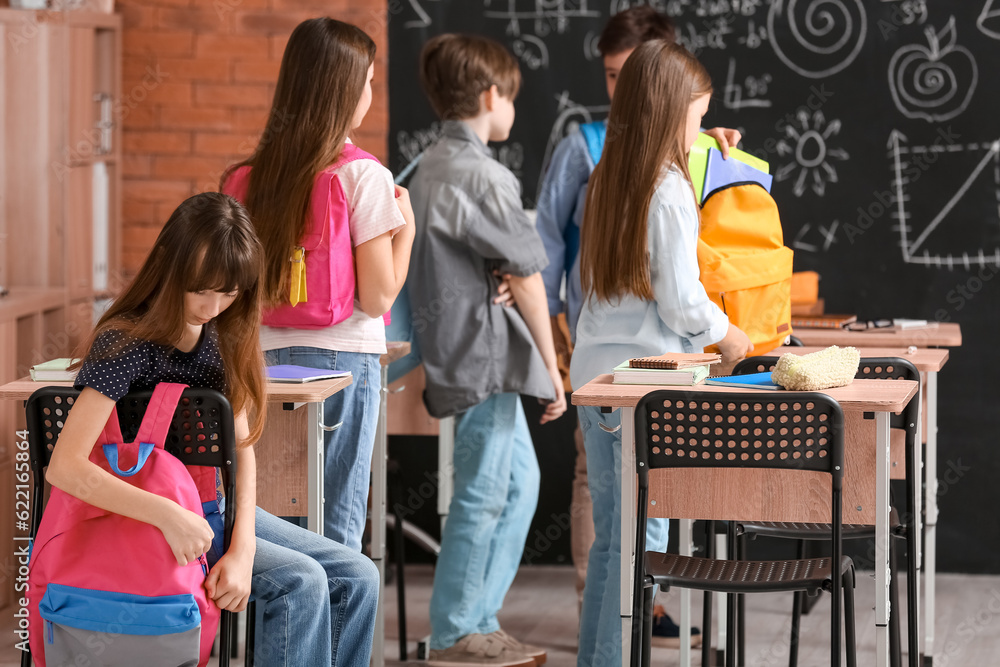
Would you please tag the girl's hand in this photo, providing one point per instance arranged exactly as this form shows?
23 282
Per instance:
735 346
727 139
228 584
555 409
504 297
403 202
187 533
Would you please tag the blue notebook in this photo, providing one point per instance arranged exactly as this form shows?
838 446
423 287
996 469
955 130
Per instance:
721 173
750 381
298 374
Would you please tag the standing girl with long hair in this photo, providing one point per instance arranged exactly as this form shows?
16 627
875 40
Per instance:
643 297
192 316
323 92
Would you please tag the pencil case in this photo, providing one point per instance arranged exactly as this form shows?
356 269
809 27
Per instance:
832 367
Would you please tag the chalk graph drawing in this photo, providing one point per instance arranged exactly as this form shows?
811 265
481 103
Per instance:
548 16
935 81
826 35
423 19
809 142
571 116
989 20
929 183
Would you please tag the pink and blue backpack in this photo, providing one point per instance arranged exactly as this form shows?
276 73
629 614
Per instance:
105 589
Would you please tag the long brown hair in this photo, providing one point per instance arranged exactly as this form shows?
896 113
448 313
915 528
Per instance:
321 80
646 129
207 244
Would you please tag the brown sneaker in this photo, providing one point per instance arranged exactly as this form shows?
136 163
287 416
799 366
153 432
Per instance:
535 652
475 649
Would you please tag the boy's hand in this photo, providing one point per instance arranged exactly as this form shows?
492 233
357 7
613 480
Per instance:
555 409
188 534
228 584
727 139
735 346
505 297
403 202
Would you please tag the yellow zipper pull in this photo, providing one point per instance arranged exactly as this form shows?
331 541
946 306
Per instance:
298 287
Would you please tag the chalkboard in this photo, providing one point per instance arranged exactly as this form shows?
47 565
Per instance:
882 129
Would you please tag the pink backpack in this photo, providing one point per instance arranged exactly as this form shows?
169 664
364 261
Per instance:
108 588
329 253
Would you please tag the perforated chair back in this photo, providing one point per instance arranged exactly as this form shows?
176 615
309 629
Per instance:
202 433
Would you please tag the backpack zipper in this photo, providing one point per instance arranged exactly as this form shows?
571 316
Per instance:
722 295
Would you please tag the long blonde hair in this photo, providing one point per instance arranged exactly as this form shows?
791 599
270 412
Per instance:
646 129
321 80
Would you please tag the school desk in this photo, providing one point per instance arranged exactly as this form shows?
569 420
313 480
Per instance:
945 334
765 495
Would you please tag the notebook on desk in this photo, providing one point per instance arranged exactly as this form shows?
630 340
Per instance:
748 381
299 374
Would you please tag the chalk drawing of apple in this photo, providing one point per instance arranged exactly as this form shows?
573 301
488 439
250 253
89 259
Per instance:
934 82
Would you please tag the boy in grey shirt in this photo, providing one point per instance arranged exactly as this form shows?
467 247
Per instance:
479 356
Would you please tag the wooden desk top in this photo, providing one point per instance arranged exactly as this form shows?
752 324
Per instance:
945 334
277 392
395 350
860 396
926 359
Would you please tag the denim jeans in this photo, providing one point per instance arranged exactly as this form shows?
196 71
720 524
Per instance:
316 598
348 458
600 617
496 491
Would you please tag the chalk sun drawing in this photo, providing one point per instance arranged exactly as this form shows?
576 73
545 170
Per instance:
809 143
825 38
989 20
933 82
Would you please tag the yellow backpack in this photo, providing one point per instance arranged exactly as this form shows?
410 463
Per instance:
745 267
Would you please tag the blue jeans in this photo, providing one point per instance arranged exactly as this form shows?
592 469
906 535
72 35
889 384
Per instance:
496 491
600 616
318 598
348 458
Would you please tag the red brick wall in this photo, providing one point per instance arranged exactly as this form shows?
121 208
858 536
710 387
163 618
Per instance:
198 78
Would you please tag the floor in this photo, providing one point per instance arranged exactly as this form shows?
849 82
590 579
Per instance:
541 609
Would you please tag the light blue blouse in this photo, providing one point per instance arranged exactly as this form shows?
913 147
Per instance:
681 318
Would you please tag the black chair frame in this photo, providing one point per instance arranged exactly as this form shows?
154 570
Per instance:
871 368
800 431
202 433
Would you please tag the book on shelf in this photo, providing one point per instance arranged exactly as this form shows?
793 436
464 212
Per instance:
749 381
299 374
625 374
675 360
822 321
55 370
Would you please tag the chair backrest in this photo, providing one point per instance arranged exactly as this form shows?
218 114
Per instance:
202 433
871 368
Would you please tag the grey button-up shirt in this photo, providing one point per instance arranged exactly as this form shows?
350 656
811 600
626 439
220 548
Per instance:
469 221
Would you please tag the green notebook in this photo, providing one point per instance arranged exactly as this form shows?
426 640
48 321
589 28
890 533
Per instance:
698 161
623 374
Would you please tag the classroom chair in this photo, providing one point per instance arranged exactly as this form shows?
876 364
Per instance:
202 415
682 429
871 368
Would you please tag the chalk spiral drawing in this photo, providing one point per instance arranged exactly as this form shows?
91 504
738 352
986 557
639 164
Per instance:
828 32
902 156
989 20
809 143
936 81
531 51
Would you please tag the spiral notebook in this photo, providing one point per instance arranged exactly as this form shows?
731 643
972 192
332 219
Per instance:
675 360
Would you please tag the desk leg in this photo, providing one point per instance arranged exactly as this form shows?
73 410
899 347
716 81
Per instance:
379 456
628 519
930 544
446 467
686 548
882 539
314 511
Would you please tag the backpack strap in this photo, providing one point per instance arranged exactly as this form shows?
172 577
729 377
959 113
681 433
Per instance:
594 134
319 200
156 422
